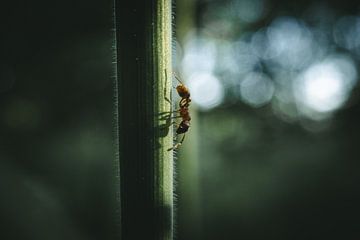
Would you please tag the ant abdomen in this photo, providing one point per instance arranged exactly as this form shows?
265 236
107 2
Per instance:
183 127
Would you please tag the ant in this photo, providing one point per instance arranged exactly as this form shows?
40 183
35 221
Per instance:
184 103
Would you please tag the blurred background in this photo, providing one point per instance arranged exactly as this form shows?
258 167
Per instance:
274 146
272 152
56 120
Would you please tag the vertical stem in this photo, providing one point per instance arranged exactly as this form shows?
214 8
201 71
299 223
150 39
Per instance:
143 51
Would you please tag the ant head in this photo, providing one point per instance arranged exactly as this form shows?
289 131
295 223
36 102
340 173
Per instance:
183 91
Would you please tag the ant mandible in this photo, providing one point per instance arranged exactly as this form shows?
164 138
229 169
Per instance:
184 103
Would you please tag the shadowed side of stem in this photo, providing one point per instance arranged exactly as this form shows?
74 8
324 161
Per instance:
143 52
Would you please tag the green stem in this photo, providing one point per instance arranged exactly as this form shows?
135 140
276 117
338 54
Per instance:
143 51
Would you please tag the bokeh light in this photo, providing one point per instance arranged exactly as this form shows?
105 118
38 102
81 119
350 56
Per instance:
256 89
326 85
289 42
287 58
246 60
282 140
199 55
206 90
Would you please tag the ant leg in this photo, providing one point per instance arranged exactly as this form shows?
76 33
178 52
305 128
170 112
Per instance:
173 147
168 115
175 123
177 78
165 113
177 145
181 141
175 111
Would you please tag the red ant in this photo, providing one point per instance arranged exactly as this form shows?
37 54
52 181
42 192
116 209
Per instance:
184 103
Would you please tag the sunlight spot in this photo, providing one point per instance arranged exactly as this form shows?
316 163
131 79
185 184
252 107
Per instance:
286 42
206 90
325 86
256 89
199 55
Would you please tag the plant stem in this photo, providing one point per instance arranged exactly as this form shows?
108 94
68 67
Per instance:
143 51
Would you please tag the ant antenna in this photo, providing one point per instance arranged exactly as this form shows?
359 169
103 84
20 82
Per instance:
176 146
177 78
